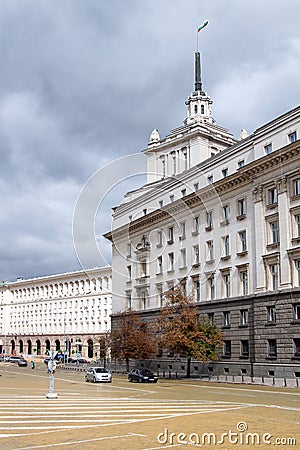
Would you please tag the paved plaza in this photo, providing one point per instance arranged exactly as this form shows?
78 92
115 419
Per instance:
122 415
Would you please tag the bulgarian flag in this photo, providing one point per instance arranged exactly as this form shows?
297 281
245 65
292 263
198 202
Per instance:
202 26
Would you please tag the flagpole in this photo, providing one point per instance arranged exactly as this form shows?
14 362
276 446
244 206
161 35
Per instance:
199 29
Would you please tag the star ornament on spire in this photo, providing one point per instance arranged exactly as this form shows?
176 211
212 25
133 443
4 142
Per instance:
202 26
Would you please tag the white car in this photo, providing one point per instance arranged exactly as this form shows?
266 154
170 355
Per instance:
98 375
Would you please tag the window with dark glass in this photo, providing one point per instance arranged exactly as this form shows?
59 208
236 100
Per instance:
272 347
244 348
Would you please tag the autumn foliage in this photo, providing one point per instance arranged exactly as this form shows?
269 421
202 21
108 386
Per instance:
132 338
184 333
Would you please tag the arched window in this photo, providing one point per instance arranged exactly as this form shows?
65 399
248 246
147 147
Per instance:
38 347
90 348
29 347
195 109
202 109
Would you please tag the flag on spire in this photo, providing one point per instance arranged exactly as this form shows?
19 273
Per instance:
202 26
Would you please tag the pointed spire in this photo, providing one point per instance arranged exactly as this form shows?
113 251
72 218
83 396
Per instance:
198 83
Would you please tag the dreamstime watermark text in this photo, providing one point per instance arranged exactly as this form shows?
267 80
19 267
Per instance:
240 436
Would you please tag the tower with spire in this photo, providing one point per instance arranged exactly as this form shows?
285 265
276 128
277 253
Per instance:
195 141
198 103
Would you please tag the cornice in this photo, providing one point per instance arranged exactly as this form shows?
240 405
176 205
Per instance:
243 176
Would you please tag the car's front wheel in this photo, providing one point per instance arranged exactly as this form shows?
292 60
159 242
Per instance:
94 380
86 379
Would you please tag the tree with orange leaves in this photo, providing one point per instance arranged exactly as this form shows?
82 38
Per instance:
184 333
133 338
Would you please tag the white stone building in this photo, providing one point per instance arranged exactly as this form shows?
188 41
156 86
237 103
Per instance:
222 218
66 312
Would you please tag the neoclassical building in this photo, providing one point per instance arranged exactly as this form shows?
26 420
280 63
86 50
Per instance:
221 218
67 312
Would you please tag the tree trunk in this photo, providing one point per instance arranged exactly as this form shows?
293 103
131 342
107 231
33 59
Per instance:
188 367
127 364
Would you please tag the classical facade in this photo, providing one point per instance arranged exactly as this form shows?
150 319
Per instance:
221 218
66 312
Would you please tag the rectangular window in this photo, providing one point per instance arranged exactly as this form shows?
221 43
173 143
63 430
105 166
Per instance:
296 311
196 187
241 207
225 172
197 290
163 164
210 250
227 348
272 348
297 267
174 164
183 192
183 258
296 347
161 203
171 261
159 238
159 264
129 272
170 235
225 211
226 249
211 287
196 225
143 300
293 137
243 241
274 232
268 149
210 179
296 187
211 317
241 163
271 314
209 220
143 268
128 300
226 318
272 196
182 230
274 276
172 198
226 283
196 256
159 295
244 317
297 223
185 158
244 348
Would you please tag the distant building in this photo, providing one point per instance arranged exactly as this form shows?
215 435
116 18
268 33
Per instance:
221 218
66 312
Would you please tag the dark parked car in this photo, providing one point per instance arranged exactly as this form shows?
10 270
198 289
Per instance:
142 376
22 362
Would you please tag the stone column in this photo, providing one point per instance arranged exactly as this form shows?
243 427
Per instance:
259 244
284 232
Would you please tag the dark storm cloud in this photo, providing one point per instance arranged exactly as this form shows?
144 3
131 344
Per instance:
85 82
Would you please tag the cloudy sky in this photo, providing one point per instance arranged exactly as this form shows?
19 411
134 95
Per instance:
83 83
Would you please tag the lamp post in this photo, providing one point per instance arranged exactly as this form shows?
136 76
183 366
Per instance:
51 369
